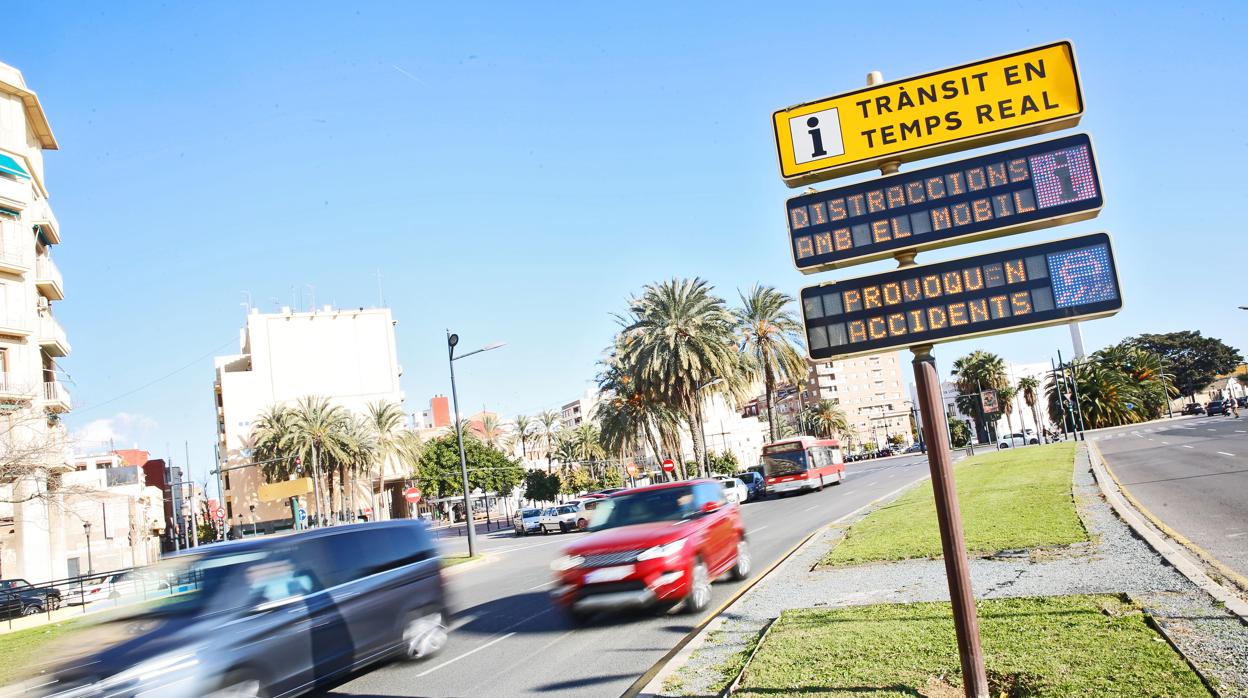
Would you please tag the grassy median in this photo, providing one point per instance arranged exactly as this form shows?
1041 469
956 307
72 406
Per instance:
1051 646
1013 499
22 650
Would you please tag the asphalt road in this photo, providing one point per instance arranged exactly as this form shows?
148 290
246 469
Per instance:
1192 473
508 640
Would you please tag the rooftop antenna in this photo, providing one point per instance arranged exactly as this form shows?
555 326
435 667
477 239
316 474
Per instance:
381 298
247 303
312 290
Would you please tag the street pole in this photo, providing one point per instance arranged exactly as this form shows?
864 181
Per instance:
1060 388
949 516
86 529
216 453
470 524
1074 391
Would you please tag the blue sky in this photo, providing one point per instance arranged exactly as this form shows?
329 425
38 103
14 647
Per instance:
514 171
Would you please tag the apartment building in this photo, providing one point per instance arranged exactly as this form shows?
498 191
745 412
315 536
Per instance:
347 356
870 389
32 399
437 415
113 519
580 410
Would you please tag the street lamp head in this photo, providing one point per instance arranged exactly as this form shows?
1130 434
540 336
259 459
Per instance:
452 340
86 526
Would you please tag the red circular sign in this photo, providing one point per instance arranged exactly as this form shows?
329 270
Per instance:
218 514
412 494
668 465
631 468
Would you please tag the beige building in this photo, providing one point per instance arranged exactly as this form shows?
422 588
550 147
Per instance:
870 389
111 519
345 355
33 452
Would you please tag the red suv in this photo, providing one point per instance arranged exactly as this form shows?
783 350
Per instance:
653 545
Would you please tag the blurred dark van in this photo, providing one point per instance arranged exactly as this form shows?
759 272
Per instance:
268 617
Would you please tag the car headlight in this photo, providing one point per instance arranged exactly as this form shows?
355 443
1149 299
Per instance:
662 550
566 562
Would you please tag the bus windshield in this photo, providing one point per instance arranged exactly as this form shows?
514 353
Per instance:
786 463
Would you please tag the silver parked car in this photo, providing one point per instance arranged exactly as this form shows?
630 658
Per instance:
527 521
269 617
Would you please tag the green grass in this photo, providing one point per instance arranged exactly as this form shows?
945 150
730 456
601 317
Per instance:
1018 498
22 650
1049 646
457 559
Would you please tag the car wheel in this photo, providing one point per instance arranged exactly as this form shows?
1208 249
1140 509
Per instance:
699 588
32 609
1035 442
238 684
582 524
424 634
741 568
577 618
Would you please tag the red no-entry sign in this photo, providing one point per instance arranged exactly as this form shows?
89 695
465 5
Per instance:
412 494
668 465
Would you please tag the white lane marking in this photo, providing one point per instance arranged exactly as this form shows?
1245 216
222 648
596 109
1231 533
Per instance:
1211 430
1186 446
1236 535
756 530
1224 453
1150 439
514 548
1239 431
1166 443
465 654
811 508
539 586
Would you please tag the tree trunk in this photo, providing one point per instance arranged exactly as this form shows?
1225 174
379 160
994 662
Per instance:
695 435
769 386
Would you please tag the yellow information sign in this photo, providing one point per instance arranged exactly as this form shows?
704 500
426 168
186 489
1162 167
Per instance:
277 491
990 101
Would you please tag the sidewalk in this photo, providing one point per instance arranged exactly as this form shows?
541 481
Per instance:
1115 562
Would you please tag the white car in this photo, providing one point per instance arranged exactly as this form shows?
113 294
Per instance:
1018 439
131 585
735 491
564 518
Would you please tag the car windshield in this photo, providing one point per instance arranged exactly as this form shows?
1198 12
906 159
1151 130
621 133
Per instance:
196 582
530 513
729 484
567 510
790 463
650 506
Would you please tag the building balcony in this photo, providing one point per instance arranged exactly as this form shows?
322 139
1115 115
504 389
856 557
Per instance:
56 397
15 392
14 325
48 279
13 262
48 227
52 336
14 193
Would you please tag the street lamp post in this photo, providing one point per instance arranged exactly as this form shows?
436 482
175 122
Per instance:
86 529
706 455
469 524
253 520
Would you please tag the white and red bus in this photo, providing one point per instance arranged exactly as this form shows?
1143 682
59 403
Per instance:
802 463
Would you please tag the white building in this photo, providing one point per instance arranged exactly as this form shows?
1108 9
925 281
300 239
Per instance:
33 454
580 410
347 356
1021 416
111 519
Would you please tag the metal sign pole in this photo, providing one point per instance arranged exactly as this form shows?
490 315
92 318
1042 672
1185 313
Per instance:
949 516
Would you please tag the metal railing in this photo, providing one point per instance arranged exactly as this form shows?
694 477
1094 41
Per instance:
55 392
12 257
46 270
9 387
92 592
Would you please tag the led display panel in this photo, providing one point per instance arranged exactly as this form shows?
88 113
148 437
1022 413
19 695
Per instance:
989 101
1036 186
1046 284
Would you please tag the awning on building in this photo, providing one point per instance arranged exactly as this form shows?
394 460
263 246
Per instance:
10 166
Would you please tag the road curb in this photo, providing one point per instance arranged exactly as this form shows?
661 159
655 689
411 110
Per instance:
454 570
1165 541
650 683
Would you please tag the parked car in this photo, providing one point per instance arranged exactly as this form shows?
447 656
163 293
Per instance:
47 598
657 545
302 610
755 484
527 521
914 448
735 490
19 598
136 584
1193 408
1018 438
1242 401
564 518
1217 407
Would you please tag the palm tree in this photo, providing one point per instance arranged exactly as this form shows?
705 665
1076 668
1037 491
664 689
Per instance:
270 439
565 450
1028 385
548 423
829 419
979 370
588 442
1005 397
362 449
317 436
523 425
1105 395
678 338
491 430
770 338
386 421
